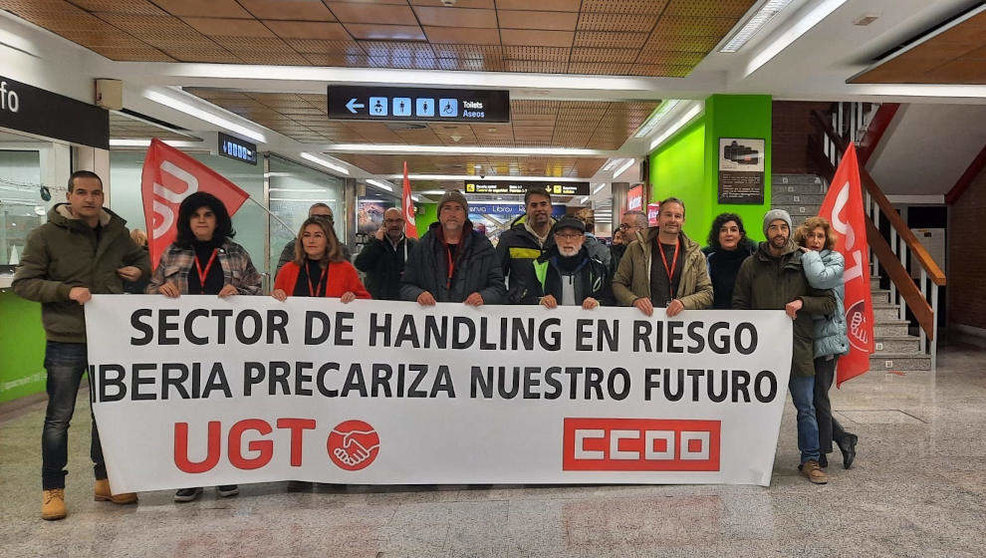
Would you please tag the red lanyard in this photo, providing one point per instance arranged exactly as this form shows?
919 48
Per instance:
674 264
451 267
208 266
313 291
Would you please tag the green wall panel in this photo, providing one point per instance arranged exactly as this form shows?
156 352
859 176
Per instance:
22 344
678 169
738 116
687 165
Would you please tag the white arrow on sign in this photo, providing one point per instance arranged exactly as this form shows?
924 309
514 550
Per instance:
352 105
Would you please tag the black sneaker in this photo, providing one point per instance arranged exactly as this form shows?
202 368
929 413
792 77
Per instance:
227 490
823 461
188 494
848 447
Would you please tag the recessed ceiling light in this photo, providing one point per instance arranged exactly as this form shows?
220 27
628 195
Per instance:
759 20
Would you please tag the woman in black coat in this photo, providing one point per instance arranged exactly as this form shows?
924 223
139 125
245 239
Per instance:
727 247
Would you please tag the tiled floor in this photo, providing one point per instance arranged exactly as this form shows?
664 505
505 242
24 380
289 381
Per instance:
917 490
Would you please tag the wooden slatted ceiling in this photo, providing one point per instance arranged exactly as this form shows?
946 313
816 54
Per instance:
595 37
534 123
956 56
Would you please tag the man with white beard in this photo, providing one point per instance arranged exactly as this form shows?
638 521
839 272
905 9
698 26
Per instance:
566 274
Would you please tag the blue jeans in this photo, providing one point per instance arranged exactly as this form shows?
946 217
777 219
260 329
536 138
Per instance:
803 394
65 363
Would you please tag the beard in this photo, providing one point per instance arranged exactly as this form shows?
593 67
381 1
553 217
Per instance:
778 241
568 251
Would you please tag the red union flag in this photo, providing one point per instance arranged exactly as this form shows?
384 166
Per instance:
169 176
407 205
843 207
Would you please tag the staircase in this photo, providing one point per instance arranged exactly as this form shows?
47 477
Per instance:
801 195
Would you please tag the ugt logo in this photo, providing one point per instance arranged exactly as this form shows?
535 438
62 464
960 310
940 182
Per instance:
353 445
629 444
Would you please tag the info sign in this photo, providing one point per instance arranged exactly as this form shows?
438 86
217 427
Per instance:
741 170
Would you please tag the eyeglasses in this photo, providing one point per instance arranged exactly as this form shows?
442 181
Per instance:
568 236
624 226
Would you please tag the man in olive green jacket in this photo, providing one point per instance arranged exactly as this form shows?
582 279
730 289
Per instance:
83 249
665 269
773 279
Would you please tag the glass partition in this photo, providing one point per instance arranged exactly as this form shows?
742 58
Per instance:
250 221
21 205
293 190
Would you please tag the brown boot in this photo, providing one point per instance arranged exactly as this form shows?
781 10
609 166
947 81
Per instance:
814 473
101 493
53 504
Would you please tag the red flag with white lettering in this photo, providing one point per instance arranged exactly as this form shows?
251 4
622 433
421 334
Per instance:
169 176
407 204
843 207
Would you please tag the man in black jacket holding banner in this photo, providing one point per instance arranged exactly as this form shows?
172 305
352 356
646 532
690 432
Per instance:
453 262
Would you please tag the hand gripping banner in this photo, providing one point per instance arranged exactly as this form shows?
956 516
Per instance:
203 391
169 176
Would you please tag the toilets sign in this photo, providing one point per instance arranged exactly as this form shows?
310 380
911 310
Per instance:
29 109
407 104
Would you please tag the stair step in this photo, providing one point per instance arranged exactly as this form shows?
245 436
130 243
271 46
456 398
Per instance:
906 362
796 210
792 198
895 328
800 188
880 296
900 345
885 313
785 179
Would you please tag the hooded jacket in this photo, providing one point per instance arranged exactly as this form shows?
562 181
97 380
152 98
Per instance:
632 278
765 282
516 249
824 271
64 253
475 268
591 278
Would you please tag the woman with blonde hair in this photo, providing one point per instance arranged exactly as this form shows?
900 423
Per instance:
319 268
823 267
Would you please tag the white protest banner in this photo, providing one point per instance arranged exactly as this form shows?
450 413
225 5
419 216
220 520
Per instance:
201 391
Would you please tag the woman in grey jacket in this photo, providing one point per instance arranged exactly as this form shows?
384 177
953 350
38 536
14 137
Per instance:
823 268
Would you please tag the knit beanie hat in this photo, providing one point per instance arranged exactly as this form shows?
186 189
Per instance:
773 215
454 196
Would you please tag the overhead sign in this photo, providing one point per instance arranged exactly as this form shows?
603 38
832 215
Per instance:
36 111
509 210
512 187
238 149
198 391
413 105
